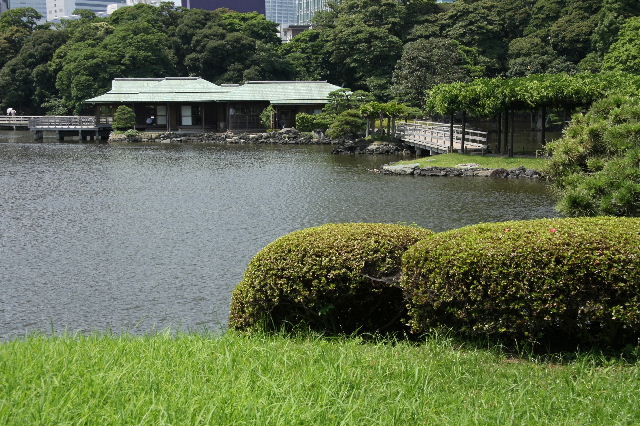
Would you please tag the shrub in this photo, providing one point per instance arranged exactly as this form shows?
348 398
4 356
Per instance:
124 118
347 124
313 122
336 278
551 281
267 117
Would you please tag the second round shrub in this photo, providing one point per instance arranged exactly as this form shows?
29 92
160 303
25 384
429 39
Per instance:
553 281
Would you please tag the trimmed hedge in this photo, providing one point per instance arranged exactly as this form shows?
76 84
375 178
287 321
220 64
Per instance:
551 281
336 278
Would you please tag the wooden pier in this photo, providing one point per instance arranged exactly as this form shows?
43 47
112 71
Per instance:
436 137
59 127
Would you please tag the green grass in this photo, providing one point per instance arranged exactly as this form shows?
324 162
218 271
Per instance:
490 162
199 379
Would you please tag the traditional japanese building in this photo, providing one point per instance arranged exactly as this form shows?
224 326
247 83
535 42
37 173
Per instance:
191 103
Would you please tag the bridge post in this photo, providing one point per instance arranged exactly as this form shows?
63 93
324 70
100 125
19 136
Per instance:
451 134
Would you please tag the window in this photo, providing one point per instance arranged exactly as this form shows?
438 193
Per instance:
190 115
185 115
161 115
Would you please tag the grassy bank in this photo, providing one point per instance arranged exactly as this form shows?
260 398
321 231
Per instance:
491 162
198 379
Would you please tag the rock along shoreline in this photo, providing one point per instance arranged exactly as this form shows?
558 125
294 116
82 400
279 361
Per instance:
462 171
281 137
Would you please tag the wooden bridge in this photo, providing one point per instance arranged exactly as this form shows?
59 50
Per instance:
436 137
88 127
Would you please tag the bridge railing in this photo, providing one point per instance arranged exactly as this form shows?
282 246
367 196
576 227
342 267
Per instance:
15 120
437 135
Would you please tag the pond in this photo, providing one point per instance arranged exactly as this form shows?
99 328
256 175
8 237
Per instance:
141 238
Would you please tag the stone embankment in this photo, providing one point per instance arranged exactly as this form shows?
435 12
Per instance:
366 147
461 170
282 137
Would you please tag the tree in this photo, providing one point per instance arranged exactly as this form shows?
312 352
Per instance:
124 118
596 165
427 63
625 52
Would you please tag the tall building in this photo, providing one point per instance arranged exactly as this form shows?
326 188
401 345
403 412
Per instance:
4 5
284 12
308 8
237 5
57 9
39 5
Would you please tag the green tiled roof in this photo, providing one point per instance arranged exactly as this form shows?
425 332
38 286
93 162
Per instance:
169 89
297 92
194 89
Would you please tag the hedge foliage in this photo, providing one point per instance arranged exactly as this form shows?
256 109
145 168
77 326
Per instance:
336 278
553 281
486 97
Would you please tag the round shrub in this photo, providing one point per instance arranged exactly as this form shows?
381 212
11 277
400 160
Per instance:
336 278
124 118
557 282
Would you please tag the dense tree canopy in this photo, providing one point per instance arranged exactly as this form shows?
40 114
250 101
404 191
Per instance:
392 49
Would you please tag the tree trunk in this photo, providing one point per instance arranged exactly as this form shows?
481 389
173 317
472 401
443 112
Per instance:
368 127
451 133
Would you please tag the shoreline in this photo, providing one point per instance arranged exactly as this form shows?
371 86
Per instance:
463 171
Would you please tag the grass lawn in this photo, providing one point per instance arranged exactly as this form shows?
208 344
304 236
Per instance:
199 379
491 162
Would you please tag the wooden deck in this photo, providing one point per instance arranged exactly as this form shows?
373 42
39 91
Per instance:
435 137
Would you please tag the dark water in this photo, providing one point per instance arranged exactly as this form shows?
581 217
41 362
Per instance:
140 238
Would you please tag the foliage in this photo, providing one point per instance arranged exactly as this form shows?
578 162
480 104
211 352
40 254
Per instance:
427 63
313 122
267 117
553 281
124 118
487 97
624 54
596 165
348 124
336 278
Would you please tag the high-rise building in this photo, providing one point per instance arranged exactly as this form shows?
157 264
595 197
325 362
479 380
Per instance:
4 5
308 8
284 12
237 5
39 5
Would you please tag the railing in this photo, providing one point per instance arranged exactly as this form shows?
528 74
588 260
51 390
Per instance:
436 136
15 120
72 122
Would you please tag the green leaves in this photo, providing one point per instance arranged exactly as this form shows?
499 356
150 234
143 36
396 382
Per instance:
551 281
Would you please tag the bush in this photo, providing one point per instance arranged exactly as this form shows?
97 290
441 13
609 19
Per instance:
267 117
335 278
124 118
313 122
347 124
551 281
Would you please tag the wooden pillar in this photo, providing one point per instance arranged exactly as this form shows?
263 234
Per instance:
506 131
168 117
499 132
512 134
464 129
202 115
451 133
544 125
